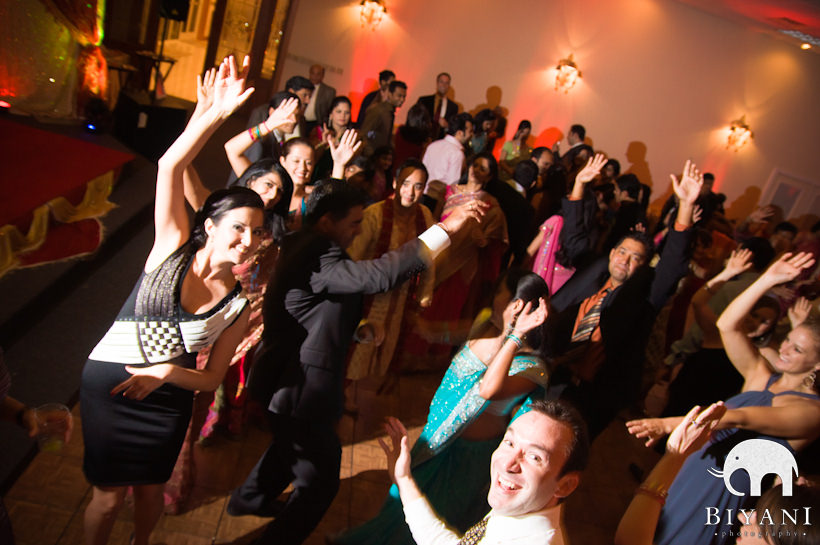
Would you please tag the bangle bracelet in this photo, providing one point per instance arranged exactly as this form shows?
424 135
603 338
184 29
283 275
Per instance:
258 132
514 339
655 491
253 137
18 416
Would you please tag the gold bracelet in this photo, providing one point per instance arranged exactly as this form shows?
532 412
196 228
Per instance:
655 491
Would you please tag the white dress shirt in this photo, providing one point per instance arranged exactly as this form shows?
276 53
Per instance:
444 160
436 239
539 528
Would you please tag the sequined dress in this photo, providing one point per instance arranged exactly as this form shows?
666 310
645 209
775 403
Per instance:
130 442
453 473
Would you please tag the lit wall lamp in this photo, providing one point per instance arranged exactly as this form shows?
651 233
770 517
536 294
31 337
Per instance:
739 134
372 12
567 75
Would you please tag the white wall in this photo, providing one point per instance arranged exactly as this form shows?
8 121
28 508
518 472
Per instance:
655 72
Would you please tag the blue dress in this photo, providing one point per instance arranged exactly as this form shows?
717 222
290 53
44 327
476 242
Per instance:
683 520
452 472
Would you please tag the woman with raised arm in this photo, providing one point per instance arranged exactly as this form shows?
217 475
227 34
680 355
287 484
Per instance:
298 160
499 366
337 122
778 402
707 375
138 383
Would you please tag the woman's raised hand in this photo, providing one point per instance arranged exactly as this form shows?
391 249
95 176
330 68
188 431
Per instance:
284 114
761 215
348 145
691 181
788 267
799 311
740 261
591 169
204 91
529 318
695 429
229 87
651 429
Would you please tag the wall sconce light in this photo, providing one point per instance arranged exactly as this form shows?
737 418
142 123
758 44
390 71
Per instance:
372 12
739 134
567 75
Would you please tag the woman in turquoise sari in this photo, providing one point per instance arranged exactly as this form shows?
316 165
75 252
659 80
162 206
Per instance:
497 368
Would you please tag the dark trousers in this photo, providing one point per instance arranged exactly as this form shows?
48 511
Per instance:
305 453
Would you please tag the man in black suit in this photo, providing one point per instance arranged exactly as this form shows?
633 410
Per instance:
599 351
440 107
311 310
575 138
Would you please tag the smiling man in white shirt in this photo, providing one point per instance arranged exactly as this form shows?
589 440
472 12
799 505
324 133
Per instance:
538 463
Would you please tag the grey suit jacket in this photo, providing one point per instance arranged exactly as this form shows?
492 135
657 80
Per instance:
324 96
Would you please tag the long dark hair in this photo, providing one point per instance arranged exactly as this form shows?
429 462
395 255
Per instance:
276 216
529 287
219 203
335 102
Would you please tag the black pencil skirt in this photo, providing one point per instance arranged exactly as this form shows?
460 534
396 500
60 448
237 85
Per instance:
129 442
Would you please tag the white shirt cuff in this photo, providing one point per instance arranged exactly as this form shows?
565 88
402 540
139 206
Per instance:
436 239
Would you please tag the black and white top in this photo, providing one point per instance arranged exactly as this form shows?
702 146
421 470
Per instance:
153 328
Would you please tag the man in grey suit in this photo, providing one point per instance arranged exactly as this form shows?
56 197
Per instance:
312 308
319 106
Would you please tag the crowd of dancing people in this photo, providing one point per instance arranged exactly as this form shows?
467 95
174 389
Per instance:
539 282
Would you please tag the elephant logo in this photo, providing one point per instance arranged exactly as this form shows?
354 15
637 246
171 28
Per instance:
759 457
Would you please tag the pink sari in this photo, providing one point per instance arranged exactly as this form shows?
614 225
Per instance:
546 266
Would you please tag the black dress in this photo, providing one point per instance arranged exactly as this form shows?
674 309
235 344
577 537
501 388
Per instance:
130 442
